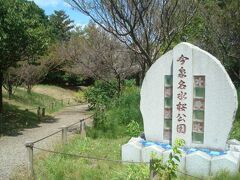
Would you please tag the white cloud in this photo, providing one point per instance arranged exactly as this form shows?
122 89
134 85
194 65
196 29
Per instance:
45 3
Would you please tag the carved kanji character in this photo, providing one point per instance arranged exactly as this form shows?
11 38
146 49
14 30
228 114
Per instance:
182 72
182 59
182 85
181 117
182 95
181 106
181 128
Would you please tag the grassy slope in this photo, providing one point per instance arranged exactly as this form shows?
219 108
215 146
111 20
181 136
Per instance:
62 167
16 117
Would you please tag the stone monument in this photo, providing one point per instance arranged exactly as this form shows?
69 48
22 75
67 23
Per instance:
187 94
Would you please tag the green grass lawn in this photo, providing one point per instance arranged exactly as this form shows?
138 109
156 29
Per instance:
59 167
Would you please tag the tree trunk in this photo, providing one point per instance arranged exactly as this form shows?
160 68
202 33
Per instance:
137 79
10 89
1 96
1 103
119 84
143 71
29 88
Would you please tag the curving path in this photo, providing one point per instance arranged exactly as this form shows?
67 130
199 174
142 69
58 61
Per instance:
12 150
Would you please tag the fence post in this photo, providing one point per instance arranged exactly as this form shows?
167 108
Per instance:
62 101
64 134
29 146
52 105
43 111
69 101
81 126
83 132
38 112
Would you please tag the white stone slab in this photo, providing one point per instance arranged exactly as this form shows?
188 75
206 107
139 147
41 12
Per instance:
148 151
227 162
152 98
132 152
220 97
182 107
198 164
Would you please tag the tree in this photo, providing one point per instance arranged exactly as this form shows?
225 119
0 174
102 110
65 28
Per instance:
92 53
148 28
61 25
23 34
30 74
11 80
217 29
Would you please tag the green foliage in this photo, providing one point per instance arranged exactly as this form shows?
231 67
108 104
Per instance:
61 25
215 28
133 129
169 169
100 94
235 133
134 172
114 114
79 97
24 32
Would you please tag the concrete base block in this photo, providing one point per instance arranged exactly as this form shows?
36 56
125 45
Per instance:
132 152
234 147
148 151
233 142
227 162
182 164
198 164
135 139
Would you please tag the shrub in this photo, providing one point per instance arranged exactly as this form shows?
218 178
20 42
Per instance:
80 97
133 129
111 118
100 94
168 170
235 133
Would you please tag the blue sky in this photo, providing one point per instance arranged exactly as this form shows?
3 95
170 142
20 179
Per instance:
50 5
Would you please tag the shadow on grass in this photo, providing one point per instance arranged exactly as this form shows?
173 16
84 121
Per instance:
14 120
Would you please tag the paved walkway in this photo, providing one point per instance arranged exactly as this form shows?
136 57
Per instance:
12 150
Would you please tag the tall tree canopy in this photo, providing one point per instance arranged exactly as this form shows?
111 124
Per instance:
147 27
61 25
216 28
24 34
